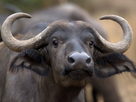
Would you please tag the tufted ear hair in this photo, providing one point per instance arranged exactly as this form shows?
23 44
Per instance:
114 63
29 59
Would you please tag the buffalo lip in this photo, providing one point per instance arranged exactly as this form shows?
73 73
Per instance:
79 74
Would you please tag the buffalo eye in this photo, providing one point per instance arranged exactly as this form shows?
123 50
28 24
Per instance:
55 43
91 44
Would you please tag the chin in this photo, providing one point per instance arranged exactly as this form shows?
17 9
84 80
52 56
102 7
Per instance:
73 78
79 83
67 81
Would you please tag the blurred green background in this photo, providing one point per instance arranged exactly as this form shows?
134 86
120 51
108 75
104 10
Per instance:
122 7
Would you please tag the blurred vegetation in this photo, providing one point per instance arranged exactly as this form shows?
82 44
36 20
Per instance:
28 5
93 6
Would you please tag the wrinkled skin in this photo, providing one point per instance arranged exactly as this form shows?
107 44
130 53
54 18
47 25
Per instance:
39 86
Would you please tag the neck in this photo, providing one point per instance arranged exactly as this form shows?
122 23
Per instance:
63 94
51 92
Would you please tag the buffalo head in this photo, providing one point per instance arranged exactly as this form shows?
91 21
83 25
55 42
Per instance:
71 52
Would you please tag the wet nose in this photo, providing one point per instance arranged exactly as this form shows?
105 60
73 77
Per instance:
79 58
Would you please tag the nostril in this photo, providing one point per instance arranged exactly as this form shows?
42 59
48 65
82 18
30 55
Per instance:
71 60
88 60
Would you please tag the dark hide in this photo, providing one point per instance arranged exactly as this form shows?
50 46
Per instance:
104 89
113 63
5 53
105 66
33 80
32 60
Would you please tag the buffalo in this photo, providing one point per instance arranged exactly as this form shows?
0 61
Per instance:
56 64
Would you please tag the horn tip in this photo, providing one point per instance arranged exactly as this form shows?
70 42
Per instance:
26 15
21 14
110 17
104 17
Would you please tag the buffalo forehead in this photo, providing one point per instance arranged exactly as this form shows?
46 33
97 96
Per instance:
73 27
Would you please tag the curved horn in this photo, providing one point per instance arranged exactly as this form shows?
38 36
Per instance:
17 45
123 44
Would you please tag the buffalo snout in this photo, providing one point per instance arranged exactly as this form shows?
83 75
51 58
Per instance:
78 58
80 66
80 62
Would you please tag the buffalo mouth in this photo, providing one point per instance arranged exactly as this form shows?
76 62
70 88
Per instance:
78 74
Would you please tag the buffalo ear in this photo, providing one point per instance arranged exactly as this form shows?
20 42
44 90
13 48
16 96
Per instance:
113 63
29 59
